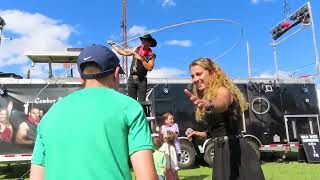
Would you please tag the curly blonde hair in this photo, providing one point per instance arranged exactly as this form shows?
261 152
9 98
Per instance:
217 79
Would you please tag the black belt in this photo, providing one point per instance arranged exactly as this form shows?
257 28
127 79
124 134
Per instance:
136 77
222 139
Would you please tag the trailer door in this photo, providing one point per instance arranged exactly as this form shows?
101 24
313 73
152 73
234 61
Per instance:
301 124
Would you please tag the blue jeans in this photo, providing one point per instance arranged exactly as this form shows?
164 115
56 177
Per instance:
137 88
161 178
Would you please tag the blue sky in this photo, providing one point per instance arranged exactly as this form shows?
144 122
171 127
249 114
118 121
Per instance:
54 25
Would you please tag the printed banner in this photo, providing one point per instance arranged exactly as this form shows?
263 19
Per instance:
21 108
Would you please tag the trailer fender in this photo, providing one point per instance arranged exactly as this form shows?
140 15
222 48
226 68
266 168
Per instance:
247 136
183 138
200 147
205 144
255 143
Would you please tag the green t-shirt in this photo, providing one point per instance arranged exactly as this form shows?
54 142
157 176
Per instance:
90 134
159 162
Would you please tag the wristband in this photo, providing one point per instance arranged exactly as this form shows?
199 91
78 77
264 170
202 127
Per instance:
210 107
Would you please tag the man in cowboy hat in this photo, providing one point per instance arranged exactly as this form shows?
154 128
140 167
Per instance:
143 61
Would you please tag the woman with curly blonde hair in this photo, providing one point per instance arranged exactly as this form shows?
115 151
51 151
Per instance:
220 104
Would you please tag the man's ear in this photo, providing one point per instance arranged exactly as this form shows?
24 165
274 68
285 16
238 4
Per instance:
83 81
116 73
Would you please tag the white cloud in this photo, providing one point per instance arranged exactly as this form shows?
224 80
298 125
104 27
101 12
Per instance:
254 1
282 74
137 30
168 3
265 75
31 32
41 70
159 73
258 1
183 43
166 73
211 42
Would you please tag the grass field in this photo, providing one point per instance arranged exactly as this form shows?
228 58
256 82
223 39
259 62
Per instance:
272 171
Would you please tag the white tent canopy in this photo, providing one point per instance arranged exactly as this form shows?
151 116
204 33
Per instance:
62 57
53 57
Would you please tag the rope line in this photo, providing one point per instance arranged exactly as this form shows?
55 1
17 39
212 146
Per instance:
235 44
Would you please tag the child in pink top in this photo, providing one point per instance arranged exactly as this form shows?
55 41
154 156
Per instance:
170 125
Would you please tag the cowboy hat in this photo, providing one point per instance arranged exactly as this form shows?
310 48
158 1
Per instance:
149 38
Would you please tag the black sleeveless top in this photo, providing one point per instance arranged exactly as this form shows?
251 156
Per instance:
137 68
226 123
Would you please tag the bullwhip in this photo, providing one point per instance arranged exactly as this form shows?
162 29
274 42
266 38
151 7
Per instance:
235 44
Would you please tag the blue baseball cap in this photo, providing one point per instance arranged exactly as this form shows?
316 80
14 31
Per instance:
105 58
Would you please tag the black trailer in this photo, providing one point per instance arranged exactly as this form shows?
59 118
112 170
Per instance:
279 110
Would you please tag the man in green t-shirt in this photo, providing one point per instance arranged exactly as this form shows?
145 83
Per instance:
91 133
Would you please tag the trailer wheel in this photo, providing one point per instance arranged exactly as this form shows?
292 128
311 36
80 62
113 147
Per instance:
255 146
209 154
188 155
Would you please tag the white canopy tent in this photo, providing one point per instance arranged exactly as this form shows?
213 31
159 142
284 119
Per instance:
61 57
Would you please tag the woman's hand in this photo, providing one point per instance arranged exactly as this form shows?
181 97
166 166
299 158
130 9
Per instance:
196 133
200 103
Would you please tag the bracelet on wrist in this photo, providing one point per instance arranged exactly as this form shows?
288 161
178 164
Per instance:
210 106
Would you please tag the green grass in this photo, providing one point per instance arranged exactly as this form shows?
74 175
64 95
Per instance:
14 171
291 171
195 174
272 171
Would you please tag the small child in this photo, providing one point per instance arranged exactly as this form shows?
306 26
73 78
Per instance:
170 125
158 157
170 156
